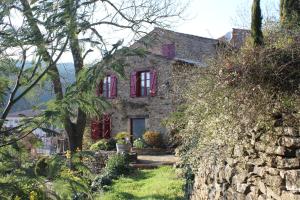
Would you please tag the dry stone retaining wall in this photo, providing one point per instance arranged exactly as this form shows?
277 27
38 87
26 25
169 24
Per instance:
265 168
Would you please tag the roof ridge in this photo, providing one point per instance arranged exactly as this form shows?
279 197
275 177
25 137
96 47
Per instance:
186 34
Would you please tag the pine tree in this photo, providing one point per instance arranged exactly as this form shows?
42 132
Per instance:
256 23
289 13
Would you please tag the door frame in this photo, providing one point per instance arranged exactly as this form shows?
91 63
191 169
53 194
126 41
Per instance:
131 125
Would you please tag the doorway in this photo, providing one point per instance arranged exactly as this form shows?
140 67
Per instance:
137 127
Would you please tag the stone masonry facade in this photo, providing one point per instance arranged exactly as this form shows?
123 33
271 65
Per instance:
188 49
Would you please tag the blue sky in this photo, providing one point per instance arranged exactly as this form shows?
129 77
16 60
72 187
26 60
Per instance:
213 18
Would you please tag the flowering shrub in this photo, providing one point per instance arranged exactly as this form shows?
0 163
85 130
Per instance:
122 137
152 138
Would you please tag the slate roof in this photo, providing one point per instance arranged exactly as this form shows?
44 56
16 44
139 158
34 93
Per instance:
187 47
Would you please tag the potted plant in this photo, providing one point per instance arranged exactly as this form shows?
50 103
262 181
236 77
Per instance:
123 142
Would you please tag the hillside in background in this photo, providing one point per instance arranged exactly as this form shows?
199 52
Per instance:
44 94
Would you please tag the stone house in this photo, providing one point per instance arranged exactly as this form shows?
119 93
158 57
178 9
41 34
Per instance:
146 95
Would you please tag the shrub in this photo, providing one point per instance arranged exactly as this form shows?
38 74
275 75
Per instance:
117 165
101 181
111 144
152 138
240 94
104 144
99 145
139 143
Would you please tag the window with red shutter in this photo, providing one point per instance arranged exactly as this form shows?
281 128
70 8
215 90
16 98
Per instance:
168 50
145 83
101 128
113 87
133 84
99 90
153 81
108 87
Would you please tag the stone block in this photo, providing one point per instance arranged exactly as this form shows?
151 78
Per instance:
292 142
297 153
260 171
286 163
290 131
228 173
273 181
262 188
261 197
286 195
221 176
278 130
272 171
271 194
242 187
259 146
231 161
292 180
276 150
238 151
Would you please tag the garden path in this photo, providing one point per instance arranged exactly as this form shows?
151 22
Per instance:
153 161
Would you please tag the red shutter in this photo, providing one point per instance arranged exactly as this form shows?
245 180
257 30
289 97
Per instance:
95 131
153 82
100 88
133 84
168 50
113 86
107 126
100 125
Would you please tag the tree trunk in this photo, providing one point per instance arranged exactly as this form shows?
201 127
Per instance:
256 24
74 131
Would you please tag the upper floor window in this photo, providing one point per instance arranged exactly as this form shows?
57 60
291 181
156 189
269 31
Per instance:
108 87
143 83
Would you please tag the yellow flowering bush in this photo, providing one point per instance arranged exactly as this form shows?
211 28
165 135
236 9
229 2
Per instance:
152 138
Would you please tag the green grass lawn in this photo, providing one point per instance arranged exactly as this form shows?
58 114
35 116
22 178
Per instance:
161 183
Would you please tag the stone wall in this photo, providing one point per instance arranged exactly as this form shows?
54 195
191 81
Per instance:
154 109
267 167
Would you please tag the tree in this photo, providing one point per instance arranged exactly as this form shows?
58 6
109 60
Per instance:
83 24
256 23
289 13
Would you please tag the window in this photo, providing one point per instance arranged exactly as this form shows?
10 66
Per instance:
143 83
101 128
108 87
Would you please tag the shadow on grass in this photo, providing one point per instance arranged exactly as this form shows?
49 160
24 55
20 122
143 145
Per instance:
139 175
128 196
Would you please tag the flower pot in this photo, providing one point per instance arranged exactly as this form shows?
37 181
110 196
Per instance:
123 148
